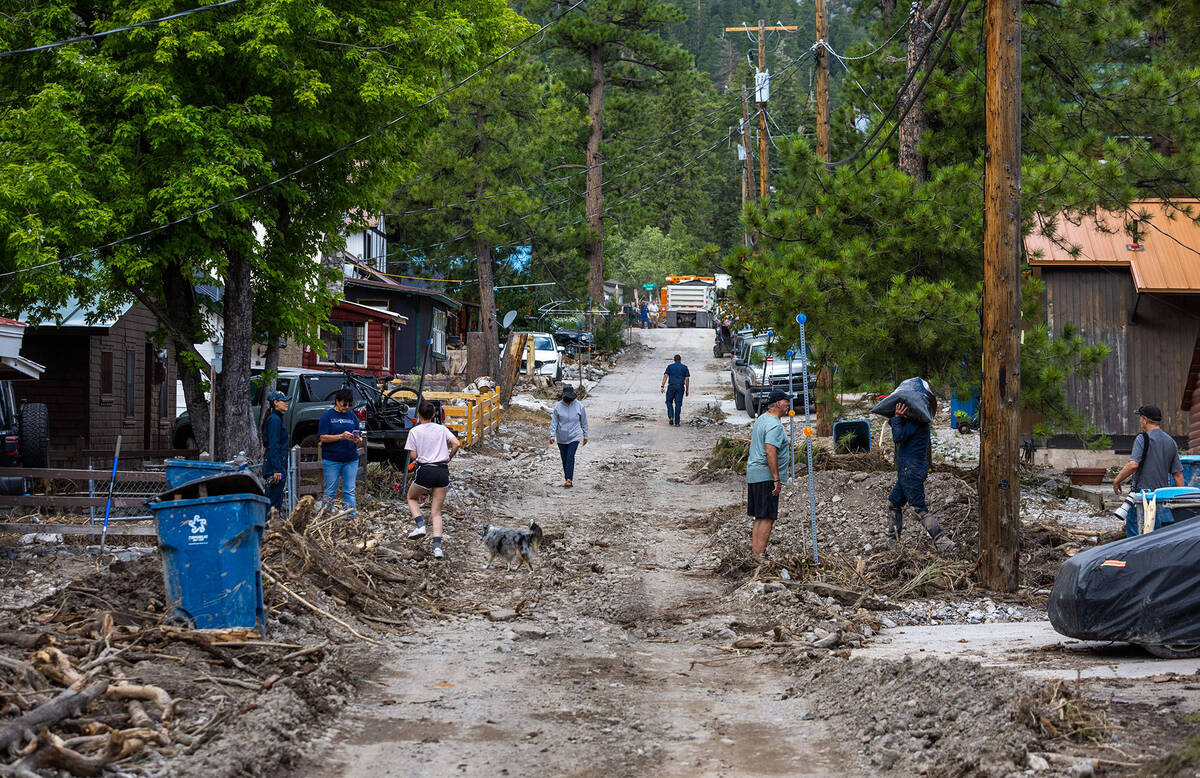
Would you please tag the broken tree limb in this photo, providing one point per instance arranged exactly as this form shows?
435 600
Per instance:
70 702
319 610
25 640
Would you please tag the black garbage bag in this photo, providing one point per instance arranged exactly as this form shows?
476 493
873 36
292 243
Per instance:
913 392
1143 590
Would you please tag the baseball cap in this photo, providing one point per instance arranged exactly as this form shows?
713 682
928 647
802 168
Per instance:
775 396
1151 412
276 396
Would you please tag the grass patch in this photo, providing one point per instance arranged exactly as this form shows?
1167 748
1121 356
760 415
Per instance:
1185 757
516 413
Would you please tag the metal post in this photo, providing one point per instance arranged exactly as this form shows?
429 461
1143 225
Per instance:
791 418
293 480
91 493
812 487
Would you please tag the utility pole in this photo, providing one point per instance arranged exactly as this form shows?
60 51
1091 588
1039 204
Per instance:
999 485
748 166
822 55
762 94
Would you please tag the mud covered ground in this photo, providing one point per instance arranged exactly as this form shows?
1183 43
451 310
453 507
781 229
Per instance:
646 641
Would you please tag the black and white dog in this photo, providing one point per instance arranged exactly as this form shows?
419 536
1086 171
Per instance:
519 544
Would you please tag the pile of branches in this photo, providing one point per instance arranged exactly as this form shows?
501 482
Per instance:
349 563
75 698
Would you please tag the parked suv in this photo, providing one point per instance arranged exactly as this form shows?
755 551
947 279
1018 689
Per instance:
24 437
547 356
754 375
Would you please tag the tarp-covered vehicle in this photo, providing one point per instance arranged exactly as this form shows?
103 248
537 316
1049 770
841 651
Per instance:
1143 590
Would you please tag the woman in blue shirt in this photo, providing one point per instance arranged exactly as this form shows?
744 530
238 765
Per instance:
338 429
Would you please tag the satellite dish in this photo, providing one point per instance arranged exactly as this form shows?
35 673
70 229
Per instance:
509 318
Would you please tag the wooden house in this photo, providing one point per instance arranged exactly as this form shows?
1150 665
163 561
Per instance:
358 337
103 377
1130 280
426 311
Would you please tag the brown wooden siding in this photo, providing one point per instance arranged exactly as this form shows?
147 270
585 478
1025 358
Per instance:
63 387
377 363
1150 357
77 371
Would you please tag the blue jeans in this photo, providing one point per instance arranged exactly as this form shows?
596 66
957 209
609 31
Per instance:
674 403
910 489
348 471
567 452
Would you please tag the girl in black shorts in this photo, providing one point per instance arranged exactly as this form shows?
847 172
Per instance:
432 447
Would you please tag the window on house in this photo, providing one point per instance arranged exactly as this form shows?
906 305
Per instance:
106 373
345 343
437 332
130 384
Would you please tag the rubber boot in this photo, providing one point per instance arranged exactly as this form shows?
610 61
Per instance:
940 541
895 525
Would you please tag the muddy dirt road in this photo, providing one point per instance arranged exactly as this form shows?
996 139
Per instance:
605 669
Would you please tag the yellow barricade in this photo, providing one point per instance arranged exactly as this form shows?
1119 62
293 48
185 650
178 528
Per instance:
475 420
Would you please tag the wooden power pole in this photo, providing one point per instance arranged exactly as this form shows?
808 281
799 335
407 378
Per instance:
822 55
999 485
762 91
748 166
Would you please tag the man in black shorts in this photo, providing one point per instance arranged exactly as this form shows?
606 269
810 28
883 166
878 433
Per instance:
767 464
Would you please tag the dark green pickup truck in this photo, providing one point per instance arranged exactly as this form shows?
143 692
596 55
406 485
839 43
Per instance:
310 394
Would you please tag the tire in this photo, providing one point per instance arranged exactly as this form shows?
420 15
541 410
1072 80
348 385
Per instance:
311 440
1173 652
739 400
751 407
35 435
964 428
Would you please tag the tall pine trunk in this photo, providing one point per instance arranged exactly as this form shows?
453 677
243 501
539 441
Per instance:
594 202
235 427
912 130
483 261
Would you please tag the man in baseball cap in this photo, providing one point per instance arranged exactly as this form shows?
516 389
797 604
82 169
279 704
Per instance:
1154 462
275 443
766 468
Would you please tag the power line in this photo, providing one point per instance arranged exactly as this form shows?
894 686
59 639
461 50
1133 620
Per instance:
917 67
720 110
126 28
320 160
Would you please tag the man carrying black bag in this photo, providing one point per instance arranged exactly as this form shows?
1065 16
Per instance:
912 467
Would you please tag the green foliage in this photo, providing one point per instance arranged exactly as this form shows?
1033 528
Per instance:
650 255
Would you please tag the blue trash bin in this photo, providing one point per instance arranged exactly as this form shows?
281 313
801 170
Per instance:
211 564
1191 469
1172 504
181 471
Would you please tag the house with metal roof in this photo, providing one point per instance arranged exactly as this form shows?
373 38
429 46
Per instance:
1129 279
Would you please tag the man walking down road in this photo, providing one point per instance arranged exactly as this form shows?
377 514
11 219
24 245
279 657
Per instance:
770 452
676 382
1153 464
912 468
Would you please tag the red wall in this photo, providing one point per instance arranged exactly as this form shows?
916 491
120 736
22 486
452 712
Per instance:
377 330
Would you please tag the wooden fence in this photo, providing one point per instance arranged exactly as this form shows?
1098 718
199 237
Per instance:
478 418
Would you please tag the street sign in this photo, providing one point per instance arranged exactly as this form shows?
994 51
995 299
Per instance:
648 286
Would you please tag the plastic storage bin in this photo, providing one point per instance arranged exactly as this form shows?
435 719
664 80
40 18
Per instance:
1191 469
211 564
852 436
180 471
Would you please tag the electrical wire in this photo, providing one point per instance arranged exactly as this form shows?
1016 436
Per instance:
918 66
126 28
320 160
912 13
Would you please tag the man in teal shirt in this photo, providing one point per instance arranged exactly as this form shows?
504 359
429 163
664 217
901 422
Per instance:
766 469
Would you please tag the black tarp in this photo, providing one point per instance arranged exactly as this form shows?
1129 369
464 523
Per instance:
1144 590
916 394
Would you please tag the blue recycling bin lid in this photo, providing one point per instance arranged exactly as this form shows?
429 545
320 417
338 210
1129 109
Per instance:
1173 492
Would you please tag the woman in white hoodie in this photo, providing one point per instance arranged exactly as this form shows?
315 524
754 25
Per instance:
568 426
